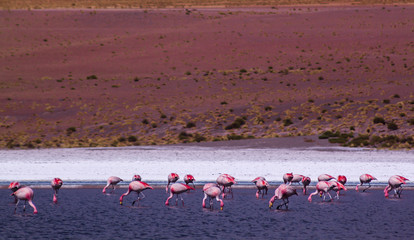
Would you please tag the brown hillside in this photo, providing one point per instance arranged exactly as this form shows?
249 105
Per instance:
125 77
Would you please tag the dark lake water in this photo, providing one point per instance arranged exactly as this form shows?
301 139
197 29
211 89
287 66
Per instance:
88 214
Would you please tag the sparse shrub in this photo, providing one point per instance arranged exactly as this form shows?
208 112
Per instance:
360 141
223 103
386 101
379 120
121 139
287 122
190 125
268 108
183 135
188 73
238 122
136 79
154 125
132 139
145 121
163 116
199 138
328 134
402 115
396 96
392 126
70 130
411 121
90 77
243 70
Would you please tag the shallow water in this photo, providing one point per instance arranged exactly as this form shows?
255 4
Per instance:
89 214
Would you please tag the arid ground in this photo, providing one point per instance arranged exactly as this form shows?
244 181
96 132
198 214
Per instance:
83 77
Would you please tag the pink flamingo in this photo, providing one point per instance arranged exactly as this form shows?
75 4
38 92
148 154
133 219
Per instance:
189 179
172 178
112 181
178 188
342 179
297 178
282 192
322 188
365 178
207 185
262 186
26 194
337 186
305 181
395 183
325 177
14 186
136 177
212 191
138 187
56 184
287 178
226 181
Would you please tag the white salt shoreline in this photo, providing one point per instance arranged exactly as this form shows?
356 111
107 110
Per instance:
154 163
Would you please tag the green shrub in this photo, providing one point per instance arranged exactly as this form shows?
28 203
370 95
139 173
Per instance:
238 122
287 122
70 130
91 77
132 139
392 126
190 125
379 120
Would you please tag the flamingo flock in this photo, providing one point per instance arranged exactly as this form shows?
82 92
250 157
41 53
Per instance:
222 186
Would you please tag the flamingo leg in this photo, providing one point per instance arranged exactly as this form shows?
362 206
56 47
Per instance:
400 189
369 185
211 203
17 203
24 206
182 200
204 200
329 196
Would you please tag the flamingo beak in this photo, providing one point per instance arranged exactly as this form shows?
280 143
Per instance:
221 208
120 202
270 205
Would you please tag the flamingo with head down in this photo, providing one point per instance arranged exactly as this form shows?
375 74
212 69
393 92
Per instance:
225 181
337 187
283 192
189 179
212 191
262 186
365 178
342 179
26 194
305 181
112 181
138 187
322 188
177 189
325 177
172 178
395 183
287 178
56 184
14 186
136 177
